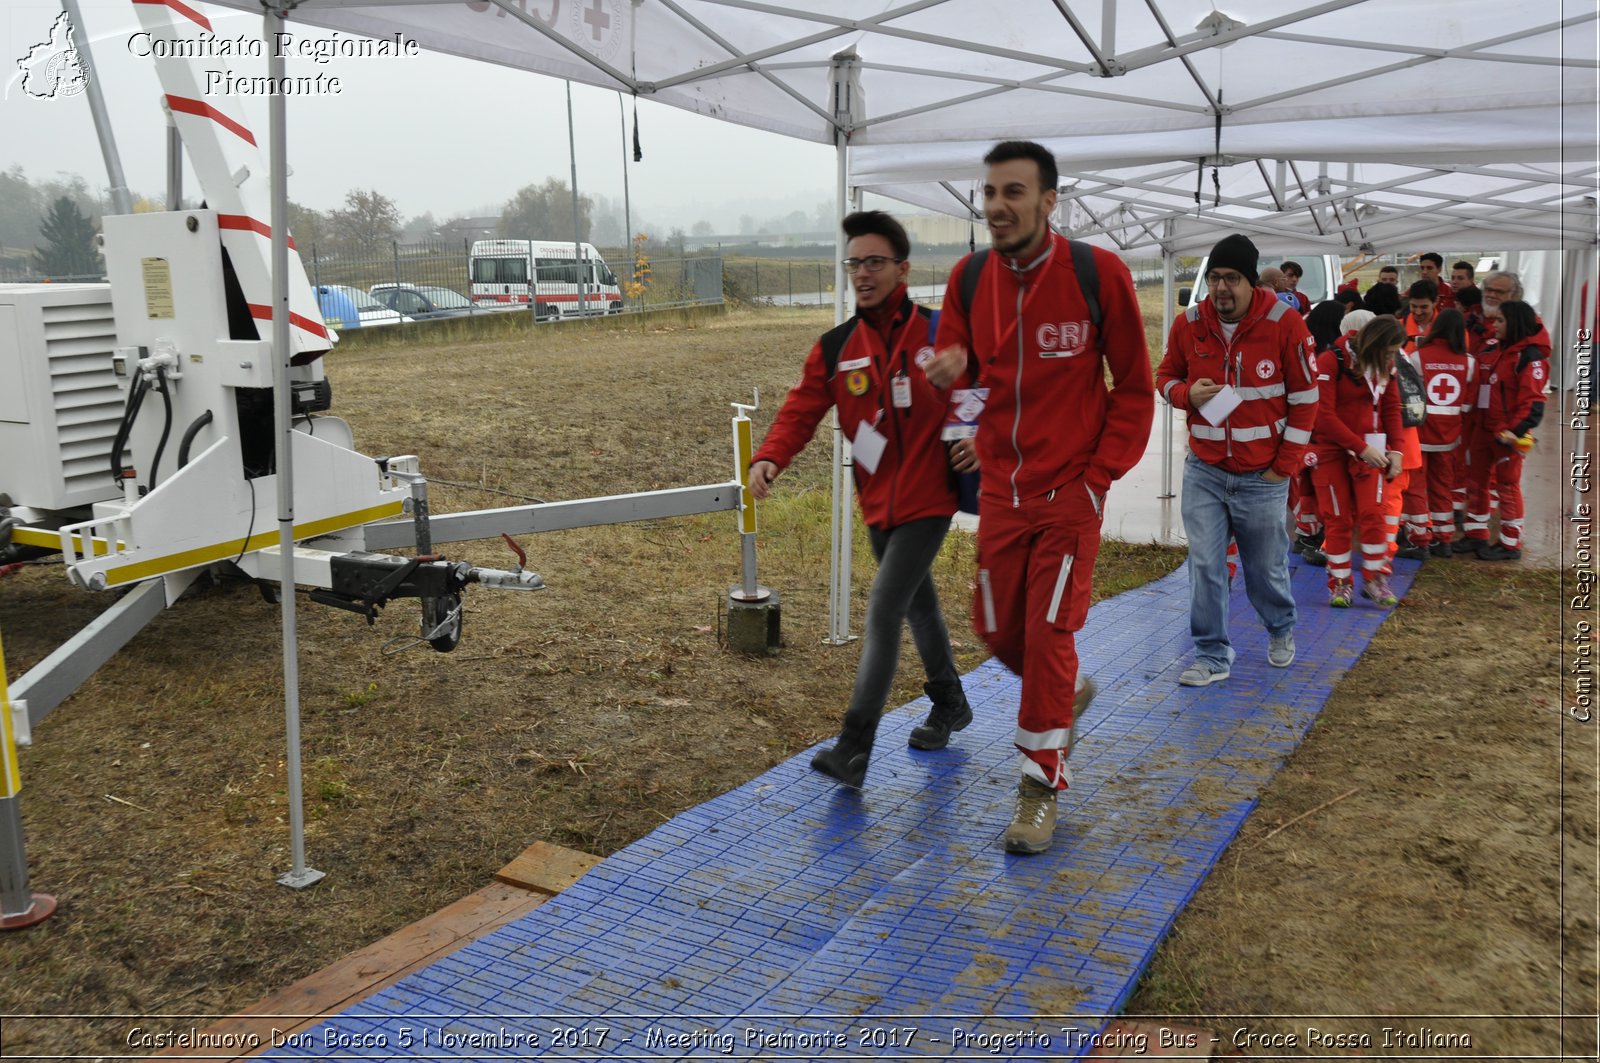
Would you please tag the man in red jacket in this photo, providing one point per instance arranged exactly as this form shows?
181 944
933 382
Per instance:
1051 439
868 368
1430 267
1239 363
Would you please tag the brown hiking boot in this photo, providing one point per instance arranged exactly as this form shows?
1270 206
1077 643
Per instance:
1080 704
1034 820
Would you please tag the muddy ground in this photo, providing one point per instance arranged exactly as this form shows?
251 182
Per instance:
1458 876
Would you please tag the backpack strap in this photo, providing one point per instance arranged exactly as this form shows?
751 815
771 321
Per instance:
967 285
1088 278
833 342
1083 264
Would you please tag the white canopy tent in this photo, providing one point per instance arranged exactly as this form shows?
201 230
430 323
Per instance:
1347 124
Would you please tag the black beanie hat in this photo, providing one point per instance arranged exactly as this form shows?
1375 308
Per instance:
1235 251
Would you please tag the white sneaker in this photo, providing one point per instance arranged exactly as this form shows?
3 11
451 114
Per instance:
1280 650
1201 674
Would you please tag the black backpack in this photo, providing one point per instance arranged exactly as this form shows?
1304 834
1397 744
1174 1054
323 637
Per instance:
1082 261
1413 397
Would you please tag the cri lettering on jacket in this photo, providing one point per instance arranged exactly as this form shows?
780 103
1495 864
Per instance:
1064 340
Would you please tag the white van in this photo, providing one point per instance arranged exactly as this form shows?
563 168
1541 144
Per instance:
1320 275
568 279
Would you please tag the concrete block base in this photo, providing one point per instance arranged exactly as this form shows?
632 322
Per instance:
753 626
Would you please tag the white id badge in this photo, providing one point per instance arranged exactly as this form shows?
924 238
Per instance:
900 391
867 447
1378 441
1483 396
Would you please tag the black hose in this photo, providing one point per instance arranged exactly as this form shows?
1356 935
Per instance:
166 426
130 413
188 437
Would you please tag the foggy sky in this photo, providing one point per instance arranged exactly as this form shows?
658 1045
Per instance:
432 132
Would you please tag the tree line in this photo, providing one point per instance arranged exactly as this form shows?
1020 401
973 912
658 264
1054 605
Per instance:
47 226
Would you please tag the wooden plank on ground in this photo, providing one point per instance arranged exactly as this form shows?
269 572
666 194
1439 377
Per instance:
527 882
546 868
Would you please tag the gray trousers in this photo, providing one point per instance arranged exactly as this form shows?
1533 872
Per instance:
902 592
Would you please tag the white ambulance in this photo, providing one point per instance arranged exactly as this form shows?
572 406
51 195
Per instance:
559 279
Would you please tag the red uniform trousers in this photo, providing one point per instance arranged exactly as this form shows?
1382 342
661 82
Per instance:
1441 470
1035 569
1351 496
1494 469
1414 512
1398 490
1303 503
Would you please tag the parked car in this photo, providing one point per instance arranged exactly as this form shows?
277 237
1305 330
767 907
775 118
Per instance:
424 301
344 307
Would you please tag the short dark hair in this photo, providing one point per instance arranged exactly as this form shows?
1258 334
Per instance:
1349 299
878 223
1432 256
1463 265
1323 322
1471 295
1450 328
1007 150
1383 298
1521 320
1388 269
1428 290
1293 267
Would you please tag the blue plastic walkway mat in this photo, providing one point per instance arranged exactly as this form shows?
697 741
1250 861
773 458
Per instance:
795 919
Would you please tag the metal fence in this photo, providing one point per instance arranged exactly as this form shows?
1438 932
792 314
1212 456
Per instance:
655 283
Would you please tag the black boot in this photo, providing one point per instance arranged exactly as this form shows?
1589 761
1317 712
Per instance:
950 713
846 760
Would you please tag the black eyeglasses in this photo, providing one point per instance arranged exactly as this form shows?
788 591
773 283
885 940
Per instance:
872 263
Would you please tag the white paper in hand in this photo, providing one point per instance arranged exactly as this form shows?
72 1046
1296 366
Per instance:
866 449
1224 402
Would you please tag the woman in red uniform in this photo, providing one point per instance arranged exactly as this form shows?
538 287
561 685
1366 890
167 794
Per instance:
1446 369
1358 453
1512 373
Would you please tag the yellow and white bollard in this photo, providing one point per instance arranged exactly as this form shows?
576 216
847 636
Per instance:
19 906
753 610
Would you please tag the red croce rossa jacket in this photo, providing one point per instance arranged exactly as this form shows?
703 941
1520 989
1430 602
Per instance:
1349 410
1447 381
1268 363
1050 418
1512 380
913 477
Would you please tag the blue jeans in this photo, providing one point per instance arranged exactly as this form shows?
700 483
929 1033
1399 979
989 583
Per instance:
1218 504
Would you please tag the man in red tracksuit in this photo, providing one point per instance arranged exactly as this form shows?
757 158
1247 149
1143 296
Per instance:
1430 267
1239 346
1051 439
868 369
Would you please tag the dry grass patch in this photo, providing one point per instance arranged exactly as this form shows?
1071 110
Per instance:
584 715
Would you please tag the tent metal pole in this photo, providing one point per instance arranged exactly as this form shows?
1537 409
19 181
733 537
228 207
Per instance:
299 876
1167 276
121 200
842 526
577 226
